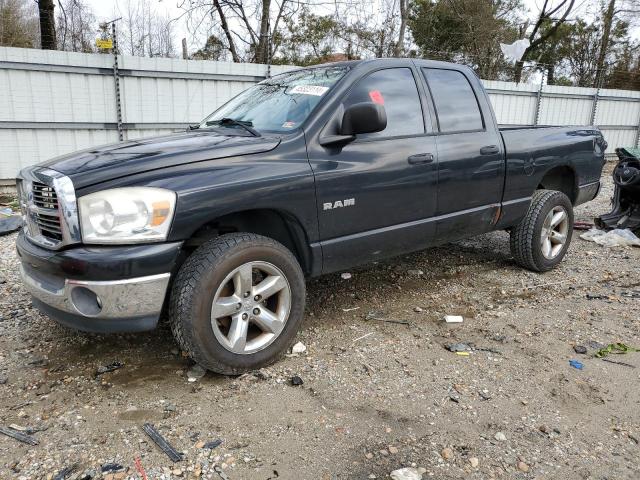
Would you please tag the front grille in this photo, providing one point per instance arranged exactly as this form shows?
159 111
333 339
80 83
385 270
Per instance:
47 215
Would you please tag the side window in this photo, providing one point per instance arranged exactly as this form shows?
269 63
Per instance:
455 102
396 89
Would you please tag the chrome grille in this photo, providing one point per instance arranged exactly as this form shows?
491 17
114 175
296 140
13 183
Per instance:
47 214
49 207
44 196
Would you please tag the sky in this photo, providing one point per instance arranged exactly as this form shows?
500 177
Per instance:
104 10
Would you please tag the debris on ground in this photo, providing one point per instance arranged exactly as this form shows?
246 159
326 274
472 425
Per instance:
213 444
615 348
378 317
576 364
65 472
296 381
453 319
408 473
9 221
21 437
159 440
458 347
613 238
345 276
109 368
581 349
299 348
501 437
195 373
140 468
591 296
582 225
111 468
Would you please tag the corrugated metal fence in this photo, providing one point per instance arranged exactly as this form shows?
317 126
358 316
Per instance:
54 102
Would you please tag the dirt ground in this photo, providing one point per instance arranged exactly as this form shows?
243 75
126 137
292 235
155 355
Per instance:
377 396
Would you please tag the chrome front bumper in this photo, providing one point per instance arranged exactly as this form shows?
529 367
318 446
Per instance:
132 298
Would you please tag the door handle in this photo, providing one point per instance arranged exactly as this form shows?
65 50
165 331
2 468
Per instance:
420 158
489 150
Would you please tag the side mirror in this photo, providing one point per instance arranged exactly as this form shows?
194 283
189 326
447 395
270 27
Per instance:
365 117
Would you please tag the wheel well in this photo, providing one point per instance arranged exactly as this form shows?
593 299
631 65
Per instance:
562 179
274 224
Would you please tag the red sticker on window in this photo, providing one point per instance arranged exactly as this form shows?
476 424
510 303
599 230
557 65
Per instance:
376 97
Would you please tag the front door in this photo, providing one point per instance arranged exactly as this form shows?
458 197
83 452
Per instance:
377 194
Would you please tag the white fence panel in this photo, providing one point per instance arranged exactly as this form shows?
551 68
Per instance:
52 103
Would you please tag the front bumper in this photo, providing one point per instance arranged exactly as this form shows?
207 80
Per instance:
110 289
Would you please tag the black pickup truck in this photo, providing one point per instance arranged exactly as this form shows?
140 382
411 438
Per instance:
309 172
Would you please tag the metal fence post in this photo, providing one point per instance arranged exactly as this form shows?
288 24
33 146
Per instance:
116 80
539 99
594 108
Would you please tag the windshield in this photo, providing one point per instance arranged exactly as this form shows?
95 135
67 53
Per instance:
278 104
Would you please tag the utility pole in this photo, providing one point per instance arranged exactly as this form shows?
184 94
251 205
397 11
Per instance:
185 54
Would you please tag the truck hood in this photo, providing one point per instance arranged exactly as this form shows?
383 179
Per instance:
117 160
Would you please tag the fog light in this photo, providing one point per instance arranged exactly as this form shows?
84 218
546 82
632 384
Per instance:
86 301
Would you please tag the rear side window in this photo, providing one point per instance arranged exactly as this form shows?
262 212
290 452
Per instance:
455 102
396 89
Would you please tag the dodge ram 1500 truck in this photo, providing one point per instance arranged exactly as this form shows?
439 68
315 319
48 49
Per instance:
312 171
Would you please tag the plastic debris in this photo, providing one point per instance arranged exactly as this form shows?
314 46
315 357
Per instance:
140 468
21 437
459 347
513 52
407 473
109 368
299 348
195 373
613 238
345 276
111 468
65 472
582 225
159 440
296 381
9 223
576 364
213 444
453 319
617 348
463 354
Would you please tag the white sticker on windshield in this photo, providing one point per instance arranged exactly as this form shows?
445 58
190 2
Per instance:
315 90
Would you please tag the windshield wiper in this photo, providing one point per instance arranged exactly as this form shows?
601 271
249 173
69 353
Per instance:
232 121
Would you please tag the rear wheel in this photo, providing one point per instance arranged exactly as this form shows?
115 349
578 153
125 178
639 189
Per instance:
237 303
540 241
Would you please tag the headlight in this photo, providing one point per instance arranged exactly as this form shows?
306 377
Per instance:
126 215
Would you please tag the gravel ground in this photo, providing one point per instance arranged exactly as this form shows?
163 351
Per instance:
377 395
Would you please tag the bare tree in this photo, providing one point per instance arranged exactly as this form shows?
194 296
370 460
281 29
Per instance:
143 32
76 26
18 23
554 15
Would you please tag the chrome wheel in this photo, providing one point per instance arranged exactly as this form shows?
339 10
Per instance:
251 307
554 232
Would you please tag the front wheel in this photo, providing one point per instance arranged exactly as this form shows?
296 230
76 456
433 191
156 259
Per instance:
540 241
237 303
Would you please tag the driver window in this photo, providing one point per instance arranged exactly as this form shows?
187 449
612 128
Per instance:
396 89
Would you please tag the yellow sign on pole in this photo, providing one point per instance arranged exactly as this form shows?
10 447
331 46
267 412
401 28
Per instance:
104 43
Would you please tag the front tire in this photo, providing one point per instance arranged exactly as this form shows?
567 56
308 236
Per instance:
237 303
540 241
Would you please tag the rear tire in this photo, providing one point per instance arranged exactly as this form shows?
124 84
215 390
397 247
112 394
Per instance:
237 303
540 241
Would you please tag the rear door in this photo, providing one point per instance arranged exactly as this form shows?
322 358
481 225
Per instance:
470 156
375 193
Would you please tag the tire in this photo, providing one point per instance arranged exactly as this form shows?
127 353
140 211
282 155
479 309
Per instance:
528 246
219 270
